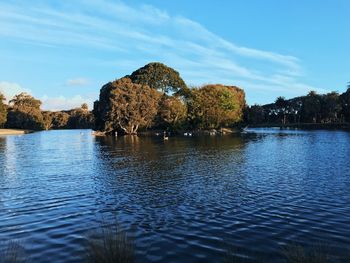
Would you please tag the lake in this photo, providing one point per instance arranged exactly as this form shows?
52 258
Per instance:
188 199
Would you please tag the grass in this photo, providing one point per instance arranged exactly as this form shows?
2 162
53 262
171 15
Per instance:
112 245
109 245
298 254
12 252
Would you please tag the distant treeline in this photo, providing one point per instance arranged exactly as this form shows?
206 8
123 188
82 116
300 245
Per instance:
23 112
330 108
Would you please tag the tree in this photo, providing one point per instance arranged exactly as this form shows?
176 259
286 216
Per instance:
84 107
215 106
60 120
47 119
330 107
160 77
25 113
311 107
345 104
282 107
80 118
3 110
172 112
255 114
125 106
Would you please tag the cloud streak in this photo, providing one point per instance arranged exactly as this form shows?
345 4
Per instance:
78 82
145 33
64 103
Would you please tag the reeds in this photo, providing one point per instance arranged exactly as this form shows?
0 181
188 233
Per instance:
109 245
298 254
12 252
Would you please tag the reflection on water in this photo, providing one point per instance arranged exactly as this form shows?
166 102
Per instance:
182 200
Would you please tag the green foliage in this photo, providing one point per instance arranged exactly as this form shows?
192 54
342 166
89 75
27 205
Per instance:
282 108
311 107
330 108
24 113
3 111
125 106
281 102
47 119
216 106
254 114
80 118
134 102
60 120
172 113
345 104
160 77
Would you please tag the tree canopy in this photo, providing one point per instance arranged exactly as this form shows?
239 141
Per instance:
60 120
172 112
312 108
160 77
345 103
24 113
216 106
125 106
79 118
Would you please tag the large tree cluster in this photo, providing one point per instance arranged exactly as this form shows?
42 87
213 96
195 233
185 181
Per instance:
155 96
24 113
126 106
216 106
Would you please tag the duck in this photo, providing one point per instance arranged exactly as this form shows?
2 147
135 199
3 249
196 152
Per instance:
165 137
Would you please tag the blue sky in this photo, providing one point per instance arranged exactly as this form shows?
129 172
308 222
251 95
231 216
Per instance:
63 51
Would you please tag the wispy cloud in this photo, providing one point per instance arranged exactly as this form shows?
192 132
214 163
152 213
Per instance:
78 82
65 103
144 33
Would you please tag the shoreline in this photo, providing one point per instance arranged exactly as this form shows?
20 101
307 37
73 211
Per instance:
306 126
14 132
160 132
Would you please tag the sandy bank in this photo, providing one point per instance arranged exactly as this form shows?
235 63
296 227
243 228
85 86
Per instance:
13 132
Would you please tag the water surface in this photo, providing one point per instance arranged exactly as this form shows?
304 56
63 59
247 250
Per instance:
182 200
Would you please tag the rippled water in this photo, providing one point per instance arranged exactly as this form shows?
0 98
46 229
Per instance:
182 200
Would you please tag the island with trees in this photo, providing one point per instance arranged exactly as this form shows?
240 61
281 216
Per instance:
155 98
